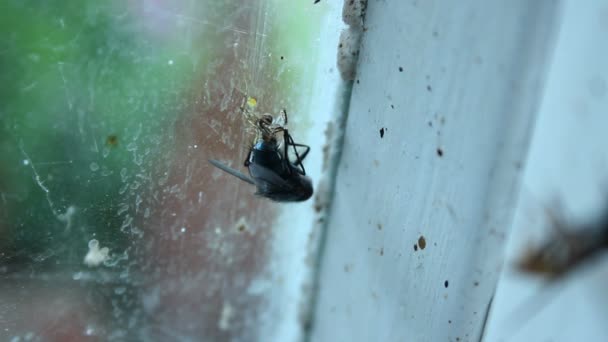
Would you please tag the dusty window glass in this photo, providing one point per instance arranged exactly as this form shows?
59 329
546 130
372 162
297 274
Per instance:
112 222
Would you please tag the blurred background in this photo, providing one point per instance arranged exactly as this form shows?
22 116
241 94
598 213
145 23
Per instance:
433 162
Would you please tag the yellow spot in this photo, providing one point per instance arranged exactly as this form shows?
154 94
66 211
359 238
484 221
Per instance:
251 101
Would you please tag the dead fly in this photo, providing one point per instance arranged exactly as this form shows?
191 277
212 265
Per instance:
272 172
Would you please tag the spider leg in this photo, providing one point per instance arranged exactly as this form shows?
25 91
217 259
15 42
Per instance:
284 113
278 129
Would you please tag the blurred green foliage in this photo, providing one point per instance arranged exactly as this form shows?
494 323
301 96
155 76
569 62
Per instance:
89 94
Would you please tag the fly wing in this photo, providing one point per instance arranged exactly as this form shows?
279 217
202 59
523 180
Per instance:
231 171
268 181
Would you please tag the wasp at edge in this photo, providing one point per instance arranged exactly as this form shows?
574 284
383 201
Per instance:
568 248
272 172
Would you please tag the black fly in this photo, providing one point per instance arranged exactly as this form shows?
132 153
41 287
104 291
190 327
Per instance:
272 172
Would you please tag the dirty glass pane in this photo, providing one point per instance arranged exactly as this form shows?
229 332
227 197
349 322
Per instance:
112 222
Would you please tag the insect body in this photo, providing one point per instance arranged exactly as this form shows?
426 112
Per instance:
270 168
567 249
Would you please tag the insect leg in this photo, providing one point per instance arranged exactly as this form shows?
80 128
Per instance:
286 140
301 159
246 163
298 162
